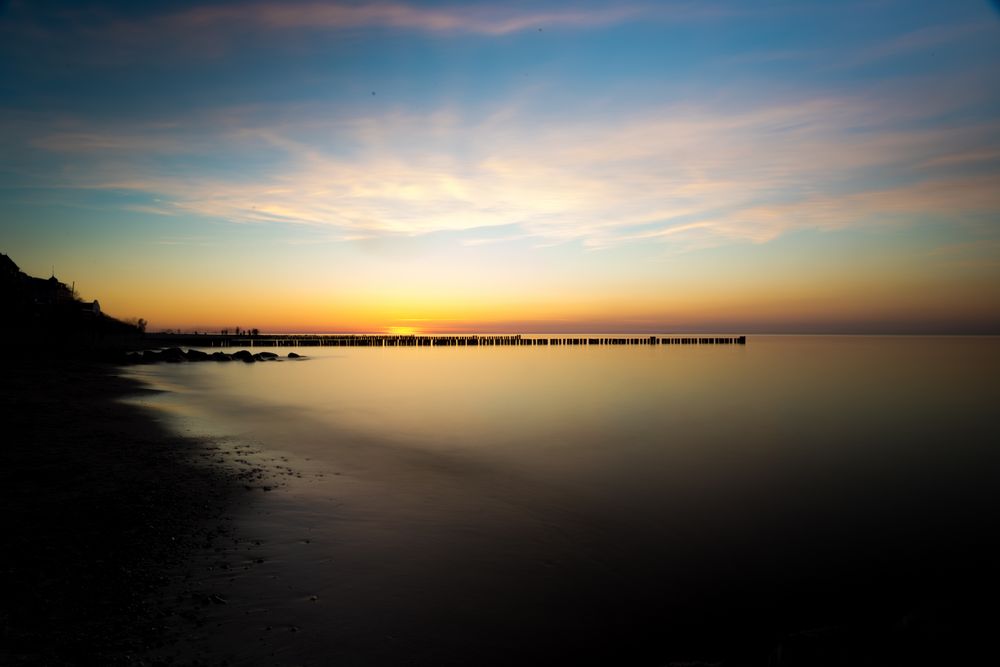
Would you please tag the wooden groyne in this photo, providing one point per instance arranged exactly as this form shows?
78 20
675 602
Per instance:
389 340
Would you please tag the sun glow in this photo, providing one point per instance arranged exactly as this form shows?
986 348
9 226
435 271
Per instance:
402 331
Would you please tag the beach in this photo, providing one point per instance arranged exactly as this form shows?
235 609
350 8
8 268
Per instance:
103 508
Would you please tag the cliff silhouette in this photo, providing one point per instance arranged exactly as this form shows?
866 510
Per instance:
45 310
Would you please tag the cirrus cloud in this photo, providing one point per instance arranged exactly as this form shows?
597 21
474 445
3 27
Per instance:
684 176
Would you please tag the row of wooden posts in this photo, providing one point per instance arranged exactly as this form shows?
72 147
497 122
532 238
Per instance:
388 340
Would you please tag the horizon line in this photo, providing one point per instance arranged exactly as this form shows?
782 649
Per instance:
657 332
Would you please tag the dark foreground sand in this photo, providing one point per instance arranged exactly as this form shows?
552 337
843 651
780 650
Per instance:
101 507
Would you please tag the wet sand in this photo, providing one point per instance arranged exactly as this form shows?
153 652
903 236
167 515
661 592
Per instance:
404 591
103 510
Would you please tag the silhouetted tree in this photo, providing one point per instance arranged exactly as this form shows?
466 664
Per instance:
138 323
254 332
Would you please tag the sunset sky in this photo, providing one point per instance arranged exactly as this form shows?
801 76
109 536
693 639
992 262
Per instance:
509 166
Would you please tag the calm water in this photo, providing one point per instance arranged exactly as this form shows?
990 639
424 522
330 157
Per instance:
618 505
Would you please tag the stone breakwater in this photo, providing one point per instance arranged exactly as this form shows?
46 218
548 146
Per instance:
176 355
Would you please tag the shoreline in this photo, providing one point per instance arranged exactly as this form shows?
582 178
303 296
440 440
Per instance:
105 507
798 593
116 518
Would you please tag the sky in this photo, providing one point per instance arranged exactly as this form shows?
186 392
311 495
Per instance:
716 166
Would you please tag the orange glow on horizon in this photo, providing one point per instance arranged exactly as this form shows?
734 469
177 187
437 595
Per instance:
402 331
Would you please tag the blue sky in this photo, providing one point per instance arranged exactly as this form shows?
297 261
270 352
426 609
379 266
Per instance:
552 166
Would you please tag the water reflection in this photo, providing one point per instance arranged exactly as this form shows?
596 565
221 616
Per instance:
590 501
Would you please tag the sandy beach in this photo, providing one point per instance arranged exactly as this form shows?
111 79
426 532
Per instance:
102 507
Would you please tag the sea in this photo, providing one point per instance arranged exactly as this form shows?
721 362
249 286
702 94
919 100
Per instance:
794 500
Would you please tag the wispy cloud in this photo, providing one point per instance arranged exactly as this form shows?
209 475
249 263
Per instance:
486 20
151 210
190 241
217 22
684 176
216 29
922 39
96 35
964 157
90 142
